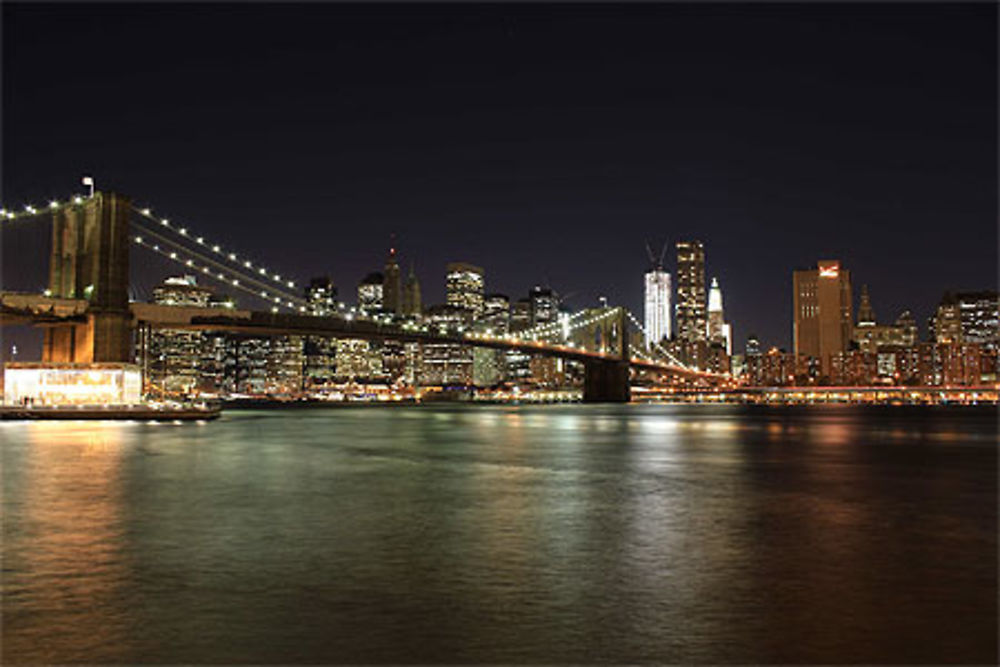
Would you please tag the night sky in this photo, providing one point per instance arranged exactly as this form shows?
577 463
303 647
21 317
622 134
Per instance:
546 143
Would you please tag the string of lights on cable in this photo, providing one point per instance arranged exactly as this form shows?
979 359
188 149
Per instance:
216 248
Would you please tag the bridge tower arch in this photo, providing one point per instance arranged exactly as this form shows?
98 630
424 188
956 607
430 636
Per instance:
607 381
90 261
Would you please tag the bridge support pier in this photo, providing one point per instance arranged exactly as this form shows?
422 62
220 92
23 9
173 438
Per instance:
90 261
606 382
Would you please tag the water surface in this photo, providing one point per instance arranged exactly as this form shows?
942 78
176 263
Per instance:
505 534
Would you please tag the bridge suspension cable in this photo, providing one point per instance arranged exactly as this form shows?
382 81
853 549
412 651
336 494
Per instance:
215 248
656 344
215 270
31 211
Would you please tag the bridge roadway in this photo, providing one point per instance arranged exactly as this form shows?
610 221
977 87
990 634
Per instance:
40 310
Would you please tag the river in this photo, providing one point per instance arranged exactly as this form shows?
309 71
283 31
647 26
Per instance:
505 534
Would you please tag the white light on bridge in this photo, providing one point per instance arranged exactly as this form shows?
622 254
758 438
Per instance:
215 248
146 211
183 231
53 204
77 200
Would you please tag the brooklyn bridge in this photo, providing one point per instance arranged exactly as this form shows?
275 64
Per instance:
87 315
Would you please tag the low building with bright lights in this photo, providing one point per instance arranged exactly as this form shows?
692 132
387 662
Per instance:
32 384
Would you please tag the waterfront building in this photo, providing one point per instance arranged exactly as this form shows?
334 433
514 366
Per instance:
776 368
657 306
822 308
447 364
38 384
285 365
394 361
490 366
968 317
371 293
851 368
319 352
518 362
464 288
182 362
870 336
412 301
260 366
359 360
392 299
691 310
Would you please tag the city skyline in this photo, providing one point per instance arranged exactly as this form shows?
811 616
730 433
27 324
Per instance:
562 186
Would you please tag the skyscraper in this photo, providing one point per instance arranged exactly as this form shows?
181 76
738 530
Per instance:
691 314
412 302
822 306
465 284
320 351
657 310
866 314
544 305
370 293
719 331
322 296
391 294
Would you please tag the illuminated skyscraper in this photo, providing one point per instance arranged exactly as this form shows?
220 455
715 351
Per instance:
370 293
822 312
322 296
320 351
719 331
544 305
691 314
657 312
465 284
177 360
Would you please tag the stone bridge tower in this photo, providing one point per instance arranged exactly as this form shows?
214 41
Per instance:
89 260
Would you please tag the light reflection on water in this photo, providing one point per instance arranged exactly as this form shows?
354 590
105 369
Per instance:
504 534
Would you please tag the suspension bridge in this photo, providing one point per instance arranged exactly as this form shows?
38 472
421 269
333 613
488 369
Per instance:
87 315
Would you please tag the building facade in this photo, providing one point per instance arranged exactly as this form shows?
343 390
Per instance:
691 306
822 312
656 315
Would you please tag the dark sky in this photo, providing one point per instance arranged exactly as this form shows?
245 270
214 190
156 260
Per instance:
543 142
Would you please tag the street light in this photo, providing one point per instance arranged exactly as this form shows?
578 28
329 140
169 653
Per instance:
89 180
